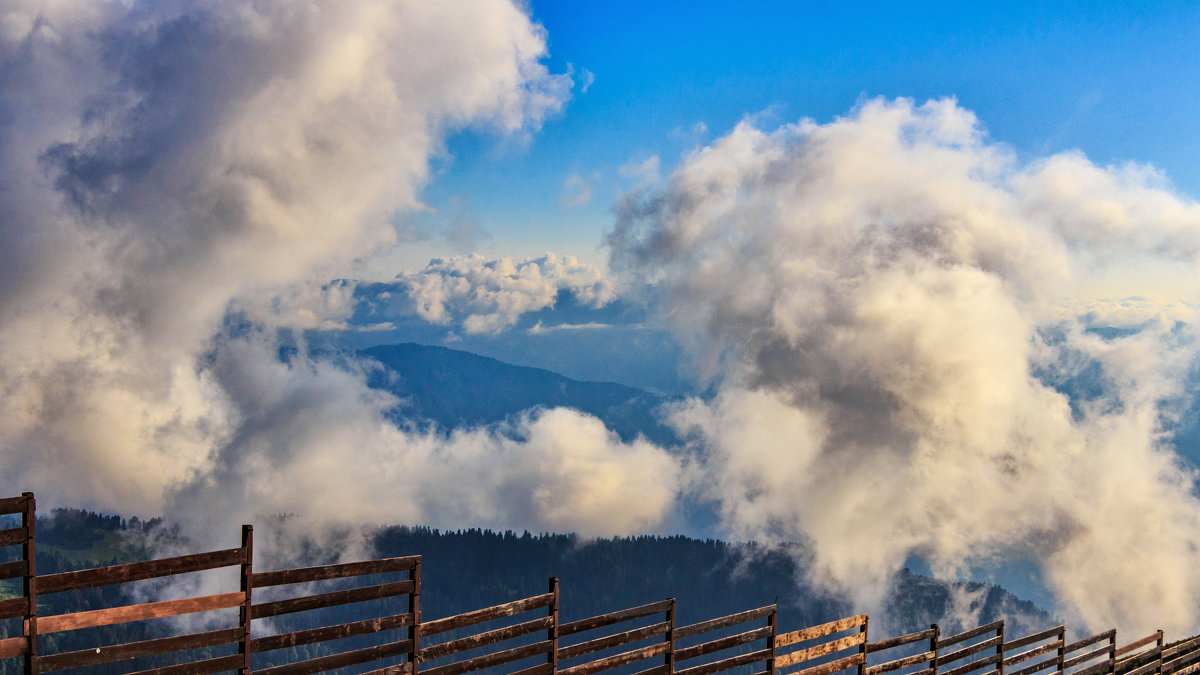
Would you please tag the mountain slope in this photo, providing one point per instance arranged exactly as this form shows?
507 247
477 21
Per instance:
455 389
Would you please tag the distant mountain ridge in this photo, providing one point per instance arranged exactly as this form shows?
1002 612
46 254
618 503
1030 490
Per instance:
454 389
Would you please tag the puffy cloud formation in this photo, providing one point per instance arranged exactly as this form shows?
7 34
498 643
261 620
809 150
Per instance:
483 295
873 298
314 442
168 165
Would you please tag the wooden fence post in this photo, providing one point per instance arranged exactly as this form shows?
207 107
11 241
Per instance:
244 611
669 658
772 623
28 585
414 608
862 648
1000 650
1112 652
552 633
1062 650
1158 668
933 647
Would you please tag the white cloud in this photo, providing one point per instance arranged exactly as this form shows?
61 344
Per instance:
869 295
314 444
170 168
484 295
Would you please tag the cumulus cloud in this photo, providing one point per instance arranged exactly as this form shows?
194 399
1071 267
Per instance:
314 442
872 298
172 174
487 295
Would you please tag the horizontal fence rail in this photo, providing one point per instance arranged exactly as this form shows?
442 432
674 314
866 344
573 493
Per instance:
277 623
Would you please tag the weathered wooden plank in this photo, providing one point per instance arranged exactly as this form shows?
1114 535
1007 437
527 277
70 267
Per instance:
1175 664
968 634
723 622
540 669
727 664
338 571
820 631
617 660
1098 637
149 610
915 659
1135 660
1029 654
217 665
486 614
330 599
437 651
1102 667
1181 647
963 653
1152 638
13 536
1087 656
609 619
489 660
150 569
831 667
656 670
350 658
890 643
973 665
16 568
14 646
12 505
685 653
591 646
1035 668
826 648
1188 670
1035 637
869 670
325 633
1146 668
133 650
13 607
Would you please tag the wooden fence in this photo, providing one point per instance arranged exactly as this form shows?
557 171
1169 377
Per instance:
235 633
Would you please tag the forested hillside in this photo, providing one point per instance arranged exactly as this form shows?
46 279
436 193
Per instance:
469 569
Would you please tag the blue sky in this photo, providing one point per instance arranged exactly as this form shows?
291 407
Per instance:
1117 81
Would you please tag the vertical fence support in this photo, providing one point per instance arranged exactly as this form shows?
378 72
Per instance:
1158 668
28 585
1062 650
933 647
1000 650
862 648
244 611
1112 652
414 608
552 633
669 658
773 624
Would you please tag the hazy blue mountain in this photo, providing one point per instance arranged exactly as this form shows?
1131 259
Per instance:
454 389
